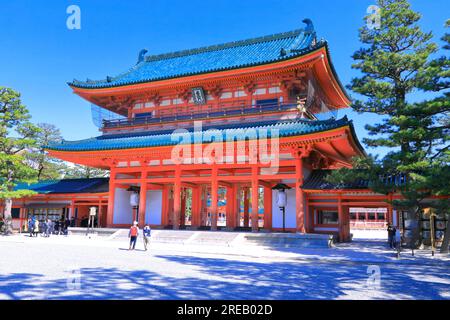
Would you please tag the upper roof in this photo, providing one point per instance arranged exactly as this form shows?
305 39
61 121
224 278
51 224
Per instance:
285 128
93 185
232 55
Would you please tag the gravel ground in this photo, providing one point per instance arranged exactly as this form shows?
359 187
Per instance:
79 268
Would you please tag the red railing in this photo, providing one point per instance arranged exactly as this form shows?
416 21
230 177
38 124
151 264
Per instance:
228 112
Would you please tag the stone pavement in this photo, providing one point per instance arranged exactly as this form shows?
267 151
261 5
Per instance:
77 267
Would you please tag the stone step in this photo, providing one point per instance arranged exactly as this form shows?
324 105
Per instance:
221 238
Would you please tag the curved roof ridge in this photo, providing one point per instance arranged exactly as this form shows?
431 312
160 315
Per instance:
294 43
226 45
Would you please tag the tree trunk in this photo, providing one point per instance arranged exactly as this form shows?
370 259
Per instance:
7 217
446 240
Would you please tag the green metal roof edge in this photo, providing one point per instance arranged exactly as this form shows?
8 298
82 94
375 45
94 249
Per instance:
344 120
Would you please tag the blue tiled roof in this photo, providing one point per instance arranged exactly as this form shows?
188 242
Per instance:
227 56
167 138
93 185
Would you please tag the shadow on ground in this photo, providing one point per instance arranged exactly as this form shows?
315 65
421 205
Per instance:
216 278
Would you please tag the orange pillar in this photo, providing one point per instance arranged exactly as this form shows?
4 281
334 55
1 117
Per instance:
267 208
177 199
165 206
299 196
111 195
183 207
142 203
100 214
255 199
204 206
231 207
237 206
344 223
246 207
214 198
195 210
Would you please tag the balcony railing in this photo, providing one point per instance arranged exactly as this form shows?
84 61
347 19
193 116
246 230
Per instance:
229 112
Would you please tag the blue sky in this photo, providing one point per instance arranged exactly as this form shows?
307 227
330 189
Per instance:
40 54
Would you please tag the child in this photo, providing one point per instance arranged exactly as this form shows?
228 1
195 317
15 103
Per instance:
133 234
147 235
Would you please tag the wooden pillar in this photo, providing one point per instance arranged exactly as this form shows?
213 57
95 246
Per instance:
142 202
183 207
344 225
165 206
204 205
299 196
267 208
237 206
389 214
246 207
231 207
196 207
214 198
111 195
177 199
255 199
99 214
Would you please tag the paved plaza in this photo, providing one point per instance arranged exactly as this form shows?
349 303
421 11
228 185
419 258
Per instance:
76 267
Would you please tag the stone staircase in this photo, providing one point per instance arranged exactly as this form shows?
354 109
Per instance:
221 238
290 240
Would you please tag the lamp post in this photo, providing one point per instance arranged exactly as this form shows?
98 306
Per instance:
134 200
282 200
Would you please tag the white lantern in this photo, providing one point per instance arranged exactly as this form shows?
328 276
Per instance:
281 199
134 199
93 211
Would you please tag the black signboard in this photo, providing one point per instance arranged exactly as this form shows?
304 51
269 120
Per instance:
198 96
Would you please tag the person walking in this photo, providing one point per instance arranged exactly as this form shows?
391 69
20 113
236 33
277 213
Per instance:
391 233
57 226
31 225
133 235
44 228
36 228
147 234
398 241
49 227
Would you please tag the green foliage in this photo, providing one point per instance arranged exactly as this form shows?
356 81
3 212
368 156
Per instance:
48 168
395 61
79 171
17 135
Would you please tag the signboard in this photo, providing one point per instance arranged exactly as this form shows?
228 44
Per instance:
198 96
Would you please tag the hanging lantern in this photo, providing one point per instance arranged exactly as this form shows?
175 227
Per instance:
134 199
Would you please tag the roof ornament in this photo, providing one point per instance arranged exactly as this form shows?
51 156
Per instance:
141 56
109 79
309 30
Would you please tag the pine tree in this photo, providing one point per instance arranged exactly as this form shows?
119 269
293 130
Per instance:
48 168
396 61
84 172
17 135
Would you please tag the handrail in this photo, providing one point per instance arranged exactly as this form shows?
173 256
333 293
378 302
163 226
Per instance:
243 110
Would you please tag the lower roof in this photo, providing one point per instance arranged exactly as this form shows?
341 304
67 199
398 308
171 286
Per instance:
67 186
228 132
